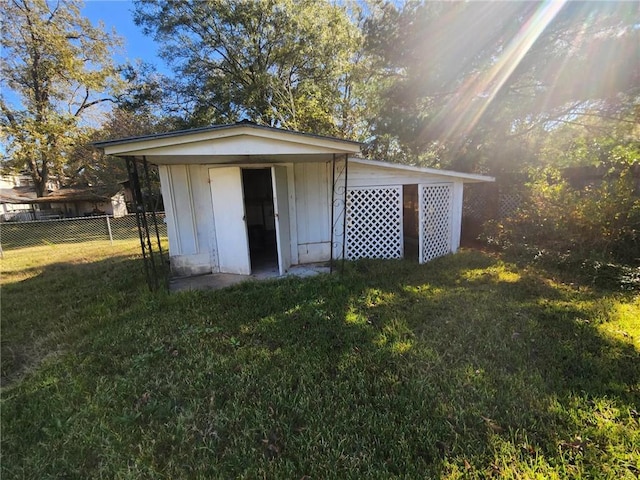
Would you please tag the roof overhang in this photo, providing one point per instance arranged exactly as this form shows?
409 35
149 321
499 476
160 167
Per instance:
72 199
248 143
239 143
446 174
11 195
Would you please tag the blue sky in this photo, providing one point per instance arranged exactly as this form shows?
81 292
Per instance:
118 14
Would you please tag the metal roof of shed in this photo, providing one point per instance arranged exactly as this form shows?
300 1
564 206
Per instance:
211 128
248 143
242 142
465 177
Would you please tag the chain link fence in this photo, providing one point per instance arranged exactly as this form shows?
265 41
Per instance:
15 235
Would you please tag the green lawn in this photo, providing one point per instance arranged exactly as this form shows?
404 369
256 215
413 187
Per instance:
466 367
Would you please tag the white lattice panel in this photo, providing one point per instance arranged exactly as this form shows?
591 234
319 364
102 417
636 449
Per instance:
435 219
374 223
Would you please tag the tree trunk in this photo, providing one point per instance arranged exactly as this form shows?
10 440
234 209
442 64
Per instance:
40 177
40 186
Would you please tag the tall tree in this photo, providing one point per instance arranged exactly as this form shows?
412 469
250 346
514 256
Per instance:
286 63
612 145
467 82
87 165
56 68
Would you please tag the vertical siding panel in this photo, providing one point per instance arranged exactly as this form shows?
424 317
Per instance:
203 211
456 212
321 231
293 227
302 221
183 209
166 186
312 201
313 212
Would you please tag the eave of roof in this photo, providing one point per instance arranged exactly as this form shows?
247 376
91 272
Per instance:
468 177
75 194
184 134
215 128
17 195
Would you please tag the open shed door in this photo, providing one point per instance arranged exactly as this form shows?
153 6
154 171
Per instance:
229 219
281 213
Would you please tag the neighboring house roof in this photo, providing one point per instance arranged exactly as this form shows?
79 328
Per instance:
17 195
79 194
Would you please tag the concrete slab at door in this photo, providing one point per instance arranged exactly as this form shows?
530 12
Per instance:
281 209
229 218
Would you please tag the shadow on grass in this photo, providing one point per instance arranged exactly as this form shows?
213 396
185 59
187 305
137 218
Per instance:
46 312
461 366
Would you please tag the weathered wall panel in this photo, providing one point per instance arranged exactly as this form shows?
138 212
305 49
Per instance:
203 213
183 209
166 186
189 214
313 212
456 215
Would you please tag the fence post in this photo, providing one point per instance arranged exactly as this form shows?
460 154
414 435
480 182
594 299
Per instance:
109 230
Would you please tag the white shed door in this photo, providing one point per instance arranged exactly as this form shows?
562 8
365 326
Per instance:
435 220
229 219
281 213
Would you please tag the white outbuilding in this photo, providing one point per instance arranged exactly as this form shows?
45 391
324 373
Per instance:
243 197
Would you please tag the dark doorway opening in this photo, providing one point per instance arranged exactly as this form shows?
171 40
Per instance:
259 212
410 221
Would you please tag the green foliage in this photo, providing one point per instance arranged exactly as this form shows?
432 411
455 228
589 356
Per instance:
600 222
88 166
610 144
467 367
468 84
58 67
143 93
584 208
281 62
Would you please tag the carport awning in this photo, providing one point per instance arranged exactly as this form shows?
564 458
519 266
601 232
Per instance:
223 144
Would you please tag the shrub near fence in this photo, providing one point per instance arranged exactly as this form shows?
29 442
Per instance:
14 235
